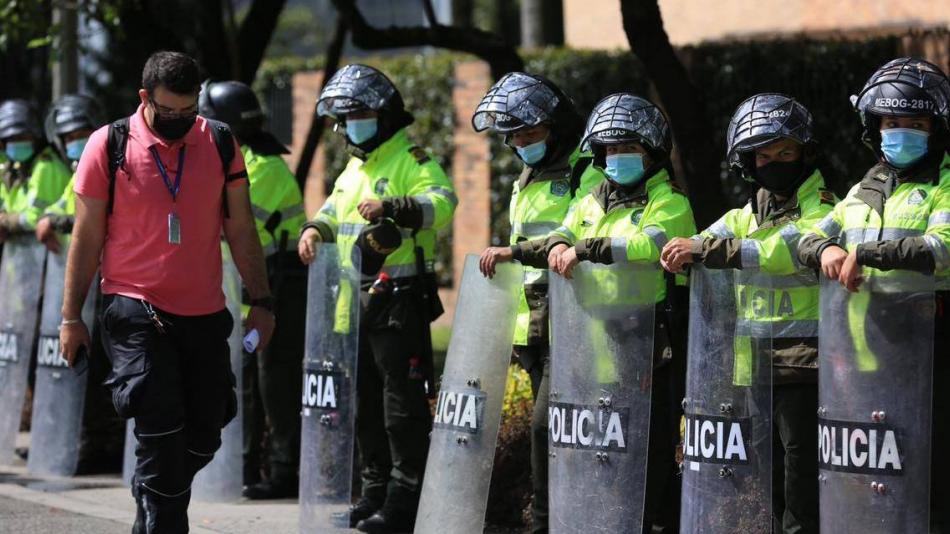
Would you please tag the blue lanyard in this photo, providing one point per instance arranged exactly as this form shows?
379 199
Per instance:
173 189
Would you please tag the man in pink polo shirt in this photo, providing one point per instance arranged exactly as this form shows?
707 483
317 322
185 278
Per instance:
157 226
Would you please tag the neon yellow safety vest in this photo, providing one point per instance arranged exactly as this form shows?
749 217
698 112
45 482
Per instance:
273 190
30 198
536 210
776 296
66 205
396 168
638 229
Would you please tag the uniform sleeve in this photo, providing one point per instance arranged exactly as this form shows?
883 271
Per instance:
430 202
925 253
821 235
534 253
92 175
46 186
669 217
326 221
717 247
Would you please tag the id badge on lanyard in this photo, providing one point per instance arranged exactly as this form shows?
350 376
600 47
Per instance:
174 223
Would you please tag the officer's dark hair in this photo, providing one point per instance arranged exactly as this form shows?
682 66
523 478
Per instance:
175 71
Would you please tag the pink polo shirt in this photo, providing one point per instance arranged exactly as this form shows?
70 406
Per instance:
137 259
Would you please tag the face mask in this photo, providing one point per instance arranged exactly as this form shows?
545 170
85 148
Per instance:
779 176
902 147
625 169
20 150
172 128
74 148
361 130
532 153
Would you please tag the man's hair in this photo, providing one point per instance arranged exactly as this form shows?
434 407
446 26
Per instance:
175 71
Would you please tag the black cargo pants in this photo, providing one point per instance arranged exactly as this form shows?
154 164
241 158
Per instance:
178 386
393 420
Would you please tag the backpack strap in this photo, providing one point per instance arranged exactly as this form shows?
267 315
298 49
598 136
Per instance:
115 148
224 140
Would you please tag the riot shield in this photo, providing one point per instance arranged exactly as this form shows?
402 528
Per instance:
222 479
468 410
727 441
328 400
59 394
602 325
21 279
875 395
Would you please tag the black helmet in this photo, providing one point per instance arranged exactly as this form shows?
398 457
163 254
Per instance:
69 114
906 87
516 101
18 117
762 119
624 118
356 87
233 103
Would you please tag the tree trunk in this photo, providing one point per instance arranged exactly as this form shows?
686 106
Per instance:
463 13
317 124
684 106
532 23
255 34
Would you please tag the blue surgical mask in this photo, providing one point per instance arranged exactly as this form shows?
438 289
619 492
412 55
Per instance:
902 147
532 153
20 150
74 148
625 169
361 130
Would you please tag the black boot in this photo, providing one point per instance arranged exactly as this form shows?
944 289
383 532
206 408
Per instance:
363 509
384 522
272 489
138 527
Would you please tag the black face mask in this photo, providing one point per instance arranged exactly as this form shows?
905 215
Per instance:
780 176
172 128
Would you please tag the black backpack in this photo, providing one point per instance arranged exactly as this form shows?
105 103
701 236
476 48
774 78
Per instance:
119 138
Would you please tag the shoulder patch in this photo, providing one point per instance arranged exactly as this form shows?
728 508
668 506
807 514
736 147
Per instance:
559 188
420 154
380 187
826 196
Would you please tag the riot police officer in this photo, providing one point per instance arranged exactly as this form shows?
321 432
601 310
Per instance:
277 205
629 217
33 177
540 124
403 192
771 143
897 219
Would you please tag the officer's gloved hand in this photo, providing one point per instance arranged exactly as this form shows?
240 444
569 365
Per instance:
46 234
376 242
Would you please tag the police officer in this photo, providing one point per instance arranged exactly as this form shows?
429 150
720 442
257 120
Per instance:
33 177
630 216
905 200
277 205
539 122
69 123
391 183
771 143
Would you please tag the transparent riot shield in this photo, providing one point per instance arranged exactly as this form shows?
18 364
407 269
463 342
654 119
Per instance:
21 283
602 325
328 400
727 441
468 410
875 395
60 393
222 479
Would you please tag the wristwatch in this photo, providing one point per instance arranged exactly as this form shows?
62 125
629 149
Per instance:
264 302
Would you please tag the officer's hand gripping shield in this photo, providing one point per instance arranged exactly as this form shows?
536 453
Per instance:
222 479
468 412
329 391
21 279
602 327
727 438
59 394
875 395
